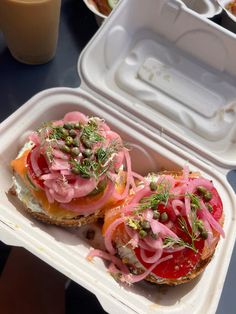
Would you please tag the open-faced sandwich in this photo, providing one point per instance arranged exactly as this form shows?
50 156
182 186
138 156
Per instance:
166 232
71 170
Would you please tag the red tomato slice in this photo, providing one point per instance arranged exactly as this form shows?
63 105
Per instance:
43 166
182 263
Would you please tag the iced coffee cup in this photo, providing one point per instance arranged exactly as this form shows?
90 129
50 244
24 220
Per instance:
30 28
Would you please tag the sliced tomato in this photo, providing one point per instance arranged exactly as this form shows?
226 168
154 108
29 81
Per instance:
43 166
182 263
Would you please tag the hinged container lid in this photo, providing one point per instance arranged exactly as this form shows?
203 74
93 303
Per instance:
170 69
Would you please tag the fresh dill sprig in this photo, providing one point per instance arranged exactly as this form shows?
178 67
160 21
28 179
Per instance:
94 167
90 132
154 200
195 201
194 236
170 242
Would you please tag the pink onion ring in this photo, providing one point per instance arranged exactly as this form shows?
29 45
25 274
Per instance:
135 278
93 206
109 233
35 153
215 225
104 255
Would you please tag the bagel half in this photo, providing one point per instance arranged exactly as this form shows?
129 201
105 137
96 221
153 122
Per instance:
71 170
166 231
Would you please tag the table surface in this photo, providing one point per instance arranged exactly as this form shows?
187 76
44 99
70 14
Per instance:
20 82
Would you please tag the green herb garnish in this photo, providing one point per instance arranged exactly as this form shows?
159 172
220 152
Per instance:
90 132
170 242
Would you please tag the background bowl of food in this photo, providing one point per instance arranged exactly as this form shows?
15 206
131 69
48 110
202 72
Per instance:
229 14
101 8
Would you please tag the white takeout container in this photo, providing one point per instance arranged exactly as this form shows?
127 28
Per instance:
205 8
147 72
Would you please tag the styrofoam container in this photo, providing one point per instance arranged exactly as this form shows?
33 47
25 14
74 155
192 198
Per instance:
156 118
205 8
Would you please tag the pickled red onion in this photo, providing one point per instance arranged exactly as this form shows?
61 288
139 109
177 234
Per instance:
144 192
176 205
193 184
109 233
117 196
158 227
93 206
34 137
130 278
154 258
75 116
115 260
215 225
35 153
83 187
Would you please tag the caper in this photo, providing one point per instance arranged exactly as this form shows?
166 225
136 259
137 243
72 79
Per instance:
77 126
64 132
194 207
164 217
65 149
87 143
156 214
85 175
153 186
200 227
207 196
76 142
75 170
68 126
209 207
69 140
75 151
72 133
142 233
201 190
204 234
145 224
87 152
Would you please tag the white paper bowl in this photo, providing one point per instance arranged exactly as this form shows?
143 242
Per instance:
98 15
